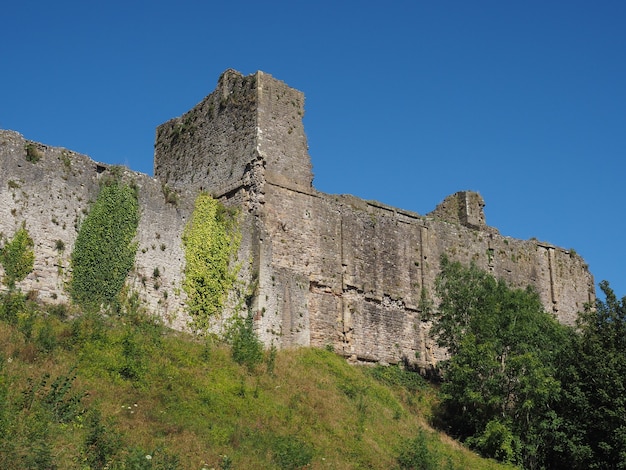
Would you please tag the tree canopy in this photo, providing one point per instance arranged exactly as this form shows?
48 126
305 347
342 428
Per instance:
500 380
592 409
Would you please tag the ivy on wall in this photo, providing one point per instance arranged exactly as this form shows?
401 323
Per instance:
104 252
211 239
17 257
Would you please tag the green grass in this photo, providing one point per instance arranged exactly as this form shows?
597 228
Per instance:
128 388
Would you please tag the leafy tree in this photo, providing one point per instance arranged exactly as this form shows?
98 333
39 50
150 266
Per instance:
499 382
592 430
17 257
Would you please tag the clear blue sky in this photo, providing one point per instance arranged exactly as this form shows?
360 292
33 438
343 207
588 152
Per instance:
406 102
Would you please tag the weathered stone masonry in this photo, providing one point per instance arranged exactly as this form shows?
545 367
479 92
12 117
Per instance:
326 270
337 270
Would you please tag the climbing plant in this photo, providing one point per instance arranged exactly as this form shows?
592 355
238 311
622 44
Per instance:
104 251
211 240
17 257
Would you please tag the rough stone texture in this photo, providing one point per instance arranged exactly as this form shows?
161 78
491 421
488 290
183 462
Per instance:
325 270
52 196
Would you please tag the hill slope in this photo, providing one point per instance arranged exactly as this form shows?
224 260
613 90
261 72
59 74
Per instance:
121 391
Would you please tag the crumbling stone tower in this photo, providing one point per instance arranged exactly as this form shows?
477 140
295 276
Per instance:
248 124
336 270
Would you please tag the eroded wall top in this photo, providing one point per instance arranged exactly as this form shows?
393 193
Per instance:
246 119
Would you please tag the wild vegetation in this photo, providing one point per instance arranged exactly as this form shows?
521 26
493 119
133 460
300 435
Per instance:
524 389
89 390
17 257
33 155
211 239
104 251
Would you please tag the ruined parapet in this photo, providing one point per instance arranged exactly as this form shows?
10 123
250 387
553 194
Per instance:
465 208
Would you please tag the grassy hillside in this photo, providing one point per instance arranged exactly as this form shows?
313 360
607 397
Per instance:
122 391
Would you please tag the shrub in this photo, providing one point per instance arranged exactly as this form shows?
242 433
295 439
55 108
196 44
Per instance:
11 303
46 340
246 348
133 365
395 375
59 245
415 454
57 397
32 153
171 196
101 444
497 442
59 311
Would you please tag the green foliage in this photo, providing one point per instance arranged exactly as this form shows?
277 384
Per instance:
171 196
46 340
138 459
592 427
33 154
58 310
246 348
17 257
498 442
132 366
500 383
104 251
189 407
271 359
101 442
57 397
291 453
59 245
29 416
416 455
211 240
398 376
11 304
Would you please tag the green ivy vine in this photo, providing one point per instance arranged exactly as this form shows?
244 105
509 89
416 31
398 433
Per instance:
17 257
104 251
211 240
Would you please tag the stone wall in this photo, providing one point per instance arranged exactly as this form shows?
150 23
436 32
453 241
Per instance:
348 273
325 270
52 196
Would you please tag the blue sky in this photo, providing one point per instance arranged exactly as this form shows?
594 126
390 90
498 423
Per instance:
406 102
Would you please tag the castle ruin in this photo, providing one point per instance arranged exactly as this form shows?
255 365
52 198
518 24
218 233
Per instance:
327 270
